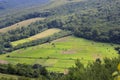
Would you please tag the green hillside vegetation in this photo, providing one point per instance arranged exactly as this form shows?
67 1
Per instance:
87 22
61 54
109 70
86 44
8 76
8 7
91 20
54 3
22 72
16 16
20 24
43 34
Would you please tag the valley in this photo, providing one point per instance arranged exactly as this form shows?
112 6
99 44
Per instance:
59 40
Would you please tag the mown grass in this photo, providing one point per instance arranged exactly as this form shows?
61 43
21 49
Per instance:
43 34
20 24
61 53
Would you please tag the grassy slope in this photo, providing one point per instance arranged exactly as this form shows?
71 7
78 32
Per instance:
43 34
21 24
55 3
64 53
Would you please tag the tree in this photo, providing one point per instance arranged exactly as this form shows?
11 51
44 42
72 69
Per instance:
117 49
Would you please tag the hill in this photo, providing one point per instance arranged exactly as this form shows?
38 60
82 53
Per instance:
79 38
84 19
61 53
41 35
12 5
17 15
95 20
24 23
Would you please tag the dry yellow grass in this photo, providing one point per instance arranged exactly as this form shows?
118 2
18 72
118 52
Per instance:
43 34
21 24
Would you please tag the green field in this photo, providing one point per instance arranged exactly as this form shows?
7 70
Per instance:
62 54
43 34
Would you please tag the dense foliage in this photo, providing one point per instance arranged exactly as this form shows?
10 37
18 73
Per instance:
23 70
95 71
97 20
117 49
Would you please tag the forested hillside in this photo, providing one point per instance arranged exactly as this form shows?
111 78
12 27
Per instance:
95 20
13 11
43 44
12 5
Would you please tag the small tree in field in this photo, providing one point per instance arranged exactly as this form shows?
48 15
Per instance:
116 74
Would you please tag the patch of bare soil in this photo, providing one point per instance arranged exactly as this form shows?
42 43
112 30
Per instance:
68 51
66 71
3 62
96 56
64 39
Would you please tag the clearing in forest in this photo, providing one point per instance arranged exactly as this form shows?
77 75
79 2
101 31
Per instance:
41 35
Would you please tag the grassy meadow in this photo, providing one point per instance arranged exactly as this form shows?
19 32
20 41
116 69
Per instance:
43 34
20 24
60 54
